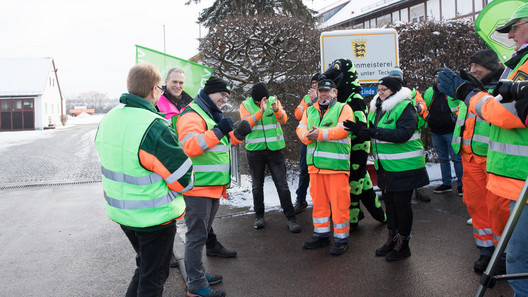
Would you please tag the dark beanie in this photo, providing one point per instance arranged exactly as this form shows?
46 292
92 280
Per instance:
315 76
486 58
392 83
215 84
258 91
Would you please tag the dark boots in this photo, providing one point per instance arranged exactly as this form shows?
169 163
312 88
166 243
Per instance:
401 248
395 248
387 246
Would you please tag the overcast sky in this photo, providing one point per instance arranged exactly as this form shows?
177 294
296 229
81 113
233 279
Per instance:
93 41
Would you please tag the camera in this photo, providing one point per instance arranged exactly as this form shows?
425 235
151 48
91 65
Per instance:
512 91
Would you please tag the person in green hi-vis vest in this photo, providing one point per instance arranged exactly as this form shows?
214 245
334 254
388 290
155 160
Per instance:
264 147
144 171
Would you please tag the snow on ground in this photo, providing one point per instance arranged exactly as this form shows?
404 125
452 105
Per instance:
238 195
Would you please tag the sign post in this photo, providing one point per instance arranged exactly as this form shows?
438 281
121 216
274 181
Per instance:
374 52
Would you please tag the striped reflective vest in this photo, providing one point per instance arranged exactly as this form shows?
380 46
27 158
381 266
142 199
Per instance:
479 139
134 196
267 133
213 167
393 156
508 148
328 154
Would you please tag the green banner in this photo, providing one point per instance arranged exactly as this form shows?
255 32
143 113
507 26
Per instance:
497 13
195 74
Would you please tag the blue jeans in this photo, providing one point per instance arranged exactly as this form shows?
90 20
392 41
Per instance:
517 253
153 253
274 160
304 177
443 148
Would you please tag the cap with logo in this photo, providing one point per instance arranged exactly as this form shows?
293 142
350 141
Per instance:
326 84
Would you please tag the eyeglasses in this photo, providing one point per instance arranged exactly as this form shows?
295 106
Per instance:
516 26
382 90
224 95
159 87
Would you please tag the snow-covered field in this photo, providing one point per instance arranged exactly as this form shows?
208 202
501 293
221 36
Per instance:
239 195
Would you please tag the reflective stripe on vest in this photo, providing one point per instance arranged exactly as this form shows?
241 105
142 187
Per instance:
267 133
328 154
212 167
134 196
508 148
397 156
479 137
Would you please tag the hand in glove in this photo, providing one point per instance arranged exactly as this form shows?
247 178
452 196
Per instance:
357 129
453 85
243 129
225 125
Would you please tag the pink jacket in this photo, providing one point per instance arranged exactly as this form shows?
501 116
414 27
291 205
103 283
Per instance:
167 107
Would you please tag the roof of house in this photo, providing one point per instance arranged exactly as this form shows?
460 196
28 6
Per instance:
354 9
24 76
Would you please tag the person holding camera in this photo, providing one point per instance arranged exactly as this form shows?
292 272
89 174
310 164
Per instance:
507 156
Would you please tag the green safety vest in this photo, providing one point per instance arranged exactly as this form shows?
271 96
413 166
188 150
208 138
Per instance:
134 196
213 167
396 156
267 133
480 139
328 154
508 148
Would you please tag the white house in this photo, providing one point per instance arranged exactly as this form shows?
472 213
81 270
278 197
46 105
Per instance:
30 96
365 14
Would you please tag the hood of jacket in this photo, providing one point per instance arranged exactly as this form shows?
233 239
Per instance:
391 102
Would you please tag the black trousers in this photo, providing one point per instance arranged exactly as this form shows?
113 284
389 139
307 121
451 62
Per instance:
274 160
153 253
399 211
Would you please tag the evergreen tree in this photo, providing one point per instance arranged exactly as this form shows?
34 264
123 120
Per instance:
223 9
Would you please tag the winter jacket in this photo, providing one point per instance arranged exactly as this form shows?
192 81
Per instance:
172 106
144 169
405 130
508 141
441 111
266 127
196 139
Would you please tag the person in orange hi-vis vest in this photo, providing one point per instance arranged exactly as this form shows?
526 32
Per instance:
507 156
205 136
489 212
328 149
304 178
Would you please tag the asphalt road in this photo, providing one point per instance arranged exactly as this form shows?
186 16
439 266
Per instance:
58 241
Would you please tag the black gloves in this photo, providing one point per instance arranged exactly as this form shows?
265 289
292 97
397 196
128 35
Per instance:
243 129
522 109
225 125
357 129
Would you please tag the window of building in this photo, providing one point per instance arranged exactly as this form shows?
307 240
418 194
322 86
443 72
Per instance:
448 9
417 12
383 20
433 9
395 16
464 7
404 13
373 23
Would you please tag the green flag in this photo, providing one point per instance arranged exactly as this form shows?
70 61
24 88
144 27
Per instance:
195 74
497 13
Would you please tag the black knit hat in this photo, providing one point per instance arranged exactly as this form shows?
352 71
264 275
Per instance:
215 84
258 91
486 58
316 76
392 83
